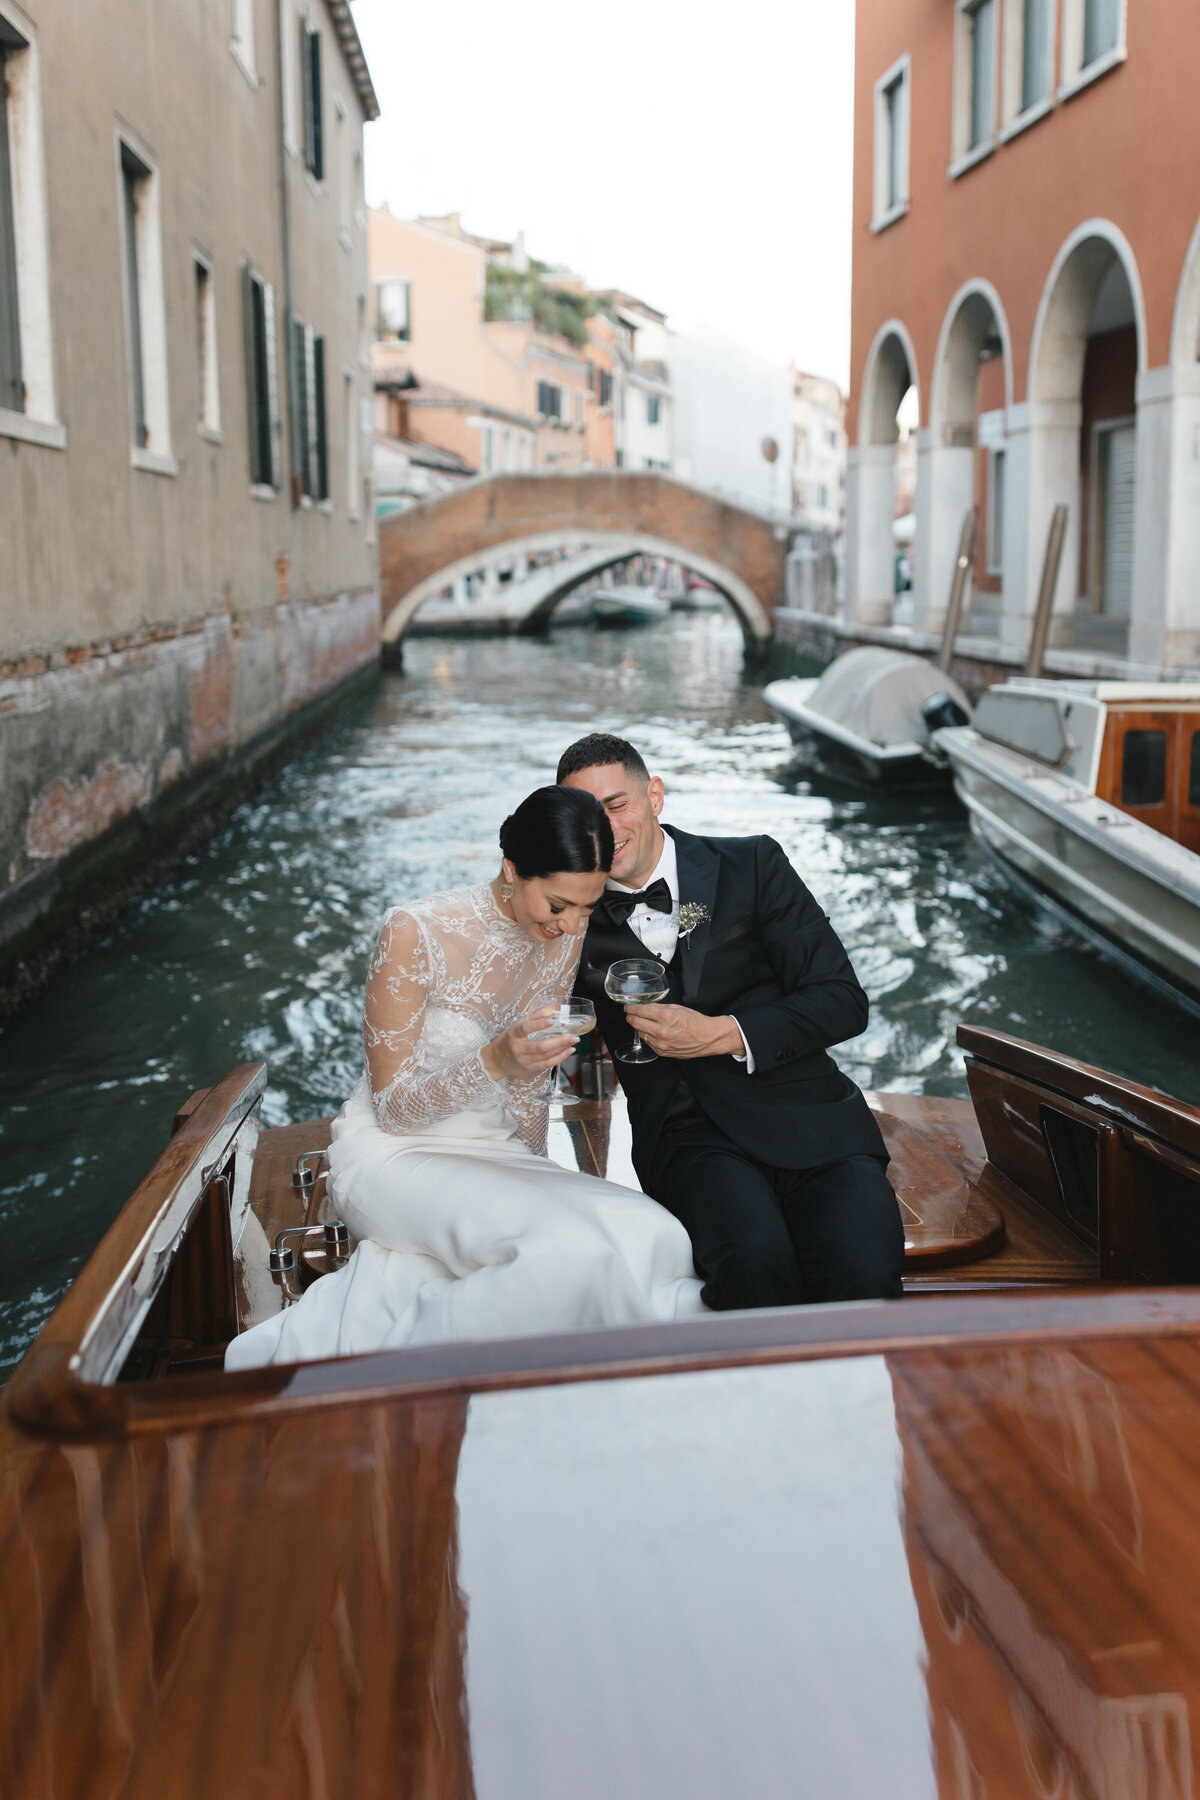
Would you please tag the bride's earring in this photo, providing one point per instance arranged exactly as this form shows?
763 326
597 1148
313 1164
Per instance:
506 891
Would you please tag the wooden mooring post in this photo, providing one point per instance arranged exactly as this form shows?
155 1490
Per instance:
967 539
1045 600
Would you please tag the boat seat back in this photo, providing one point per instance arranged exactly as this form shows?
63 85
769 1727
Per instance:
1032 723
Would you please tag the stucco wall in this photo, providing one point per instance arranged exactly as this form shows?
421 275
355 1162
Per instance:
155 623
1126 149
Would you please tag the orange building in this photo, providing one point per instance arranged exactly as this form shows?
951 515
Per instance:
463 360
1027 257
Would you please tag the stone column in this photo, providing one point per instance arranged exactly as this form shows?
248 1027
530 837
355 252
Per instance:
945 489
1043 470
870 562
1165 623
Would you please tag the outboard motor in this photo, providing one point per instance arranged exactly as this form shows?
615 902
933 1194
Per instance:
943 709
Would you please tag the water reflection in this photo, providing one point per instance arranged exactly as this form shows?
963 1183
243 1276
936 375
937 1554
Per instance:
257 947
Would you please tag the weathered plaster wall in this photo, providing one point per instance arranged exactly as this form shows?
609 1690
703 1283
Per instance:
162 624
100 734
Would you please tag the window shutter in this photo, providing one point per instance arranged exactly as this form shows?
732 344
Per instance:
314 147
12 387
253 407
1119 463
270 358
298 396
322 492
310 415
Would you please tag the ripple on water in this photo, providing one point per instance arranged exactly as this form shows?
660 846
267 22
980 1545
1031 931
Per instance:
257 947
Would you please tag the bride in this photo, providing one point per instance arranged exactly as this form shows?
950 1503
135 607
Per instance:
438 1161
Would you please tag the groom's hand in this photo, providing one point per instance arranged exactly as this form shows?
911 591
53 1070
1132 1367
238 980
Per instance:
680 1032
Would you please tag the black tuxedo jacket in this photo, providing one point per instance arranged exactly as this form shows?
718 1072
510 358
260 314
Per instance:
767 954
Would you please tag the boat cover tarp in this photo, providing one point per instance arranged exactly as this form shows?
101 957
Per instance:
878 694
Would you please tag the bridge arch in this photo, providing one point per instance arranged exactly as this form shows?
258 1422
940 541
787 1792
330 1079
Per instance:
615 514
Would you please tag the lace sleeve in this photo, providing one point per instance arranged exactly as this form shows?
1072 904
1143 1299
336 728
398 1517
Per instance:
406 1095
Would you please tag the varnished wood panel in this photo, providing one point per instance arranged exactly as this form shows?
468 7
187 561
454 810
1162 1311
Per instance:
1122 1102
947 1219
275 1202
277 1607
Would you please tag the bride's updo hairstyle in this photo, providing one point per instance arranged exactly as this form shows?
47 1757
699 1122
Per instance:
557 830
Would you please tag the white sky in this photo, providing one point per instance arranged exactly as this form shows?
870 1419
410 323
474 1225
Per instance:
696 156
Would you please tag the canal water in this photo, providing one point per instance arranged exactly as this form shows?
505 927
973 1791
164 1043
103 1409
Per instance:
257 946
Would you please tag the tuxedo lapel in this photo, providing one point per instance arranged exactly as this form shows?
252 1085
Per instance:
698 867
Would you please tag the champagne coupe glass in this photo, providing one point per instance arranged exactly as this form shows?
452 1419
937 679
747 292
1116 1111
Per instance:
573 1016
638 981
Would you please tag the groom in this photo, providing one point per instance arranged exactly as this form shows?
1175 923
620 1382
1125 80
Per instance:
744 1128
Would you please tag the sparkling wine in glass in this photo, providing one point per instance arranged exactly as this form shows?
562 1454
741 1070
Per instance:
638 981
573 1016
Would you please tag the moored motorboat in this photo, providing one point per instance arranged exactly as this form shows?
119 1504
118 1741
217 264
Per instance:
1089 794
475 1567
629 606
873 709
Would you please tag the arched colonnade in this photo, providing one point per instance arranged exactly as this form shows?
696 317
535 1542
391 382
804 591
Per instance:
1097 429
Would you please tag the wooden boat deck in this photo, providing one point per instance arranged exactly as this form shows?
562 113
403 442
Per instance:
964 1221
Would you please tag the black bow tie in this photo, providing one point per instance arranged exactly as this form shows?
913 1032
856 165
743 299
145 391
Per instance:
619 904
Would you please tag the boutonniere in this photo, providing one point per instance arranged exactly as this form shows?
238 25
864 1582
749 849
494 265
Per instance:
691 914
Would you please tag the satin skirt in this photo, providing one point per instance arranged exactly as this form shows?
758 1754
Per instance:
466 1233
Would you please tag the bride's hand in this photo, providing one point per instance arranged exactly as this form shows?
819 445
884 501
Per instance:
513 1056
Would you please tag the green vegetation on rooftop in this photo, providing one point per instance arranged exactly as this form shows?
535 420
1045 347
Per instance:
519 295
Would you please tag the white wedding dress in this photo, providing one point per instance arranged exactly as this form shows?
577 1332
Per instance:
465 1229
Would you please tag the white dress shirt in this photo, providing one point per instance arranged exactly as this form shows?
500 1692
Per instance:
659 931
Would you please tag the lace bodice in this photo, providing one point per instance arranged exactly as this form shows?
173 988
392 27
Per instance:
448 975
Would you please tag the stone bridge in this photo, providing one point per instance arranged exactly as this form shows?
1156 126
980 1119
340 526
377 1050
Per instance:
613 515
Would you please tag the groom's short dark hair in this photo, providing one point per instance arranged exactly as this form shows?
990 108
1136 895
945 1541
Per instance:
596 751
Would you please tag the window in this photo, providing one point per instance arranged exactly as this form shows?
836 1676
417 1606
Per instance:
653 409
891 144
310 76
1144 768
975 78
145 321
27 399
241 38
209 409
1093 39
1037 27
549 400
995 522
982 19
392 311
1101 29
605 394
262 394
487 452
310 442
1193 792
